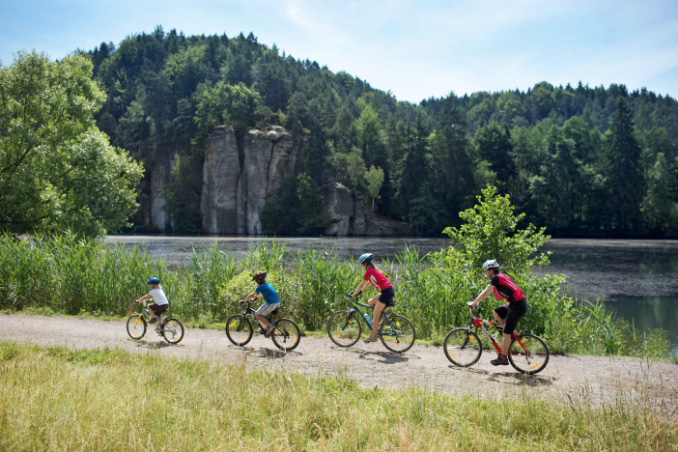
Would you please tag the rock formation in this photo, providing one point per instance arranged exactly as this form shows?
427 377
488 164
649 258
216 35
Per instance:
238 180
351 215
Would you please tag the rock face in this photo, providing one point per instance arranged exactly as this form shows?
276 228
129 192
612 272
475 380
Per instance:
238 180
351 215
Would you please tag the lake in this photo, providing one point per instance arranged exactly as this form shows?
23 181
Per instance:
637 279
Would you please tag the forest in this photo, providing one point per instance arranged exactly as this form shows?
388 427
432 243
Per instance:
578 160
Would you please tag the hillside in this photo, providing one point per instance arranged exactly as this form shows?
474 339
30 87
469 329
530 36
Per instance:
578 160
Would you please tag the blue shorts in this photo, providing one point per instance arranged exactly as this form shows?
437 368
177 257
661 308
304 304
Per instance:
387 295
266 309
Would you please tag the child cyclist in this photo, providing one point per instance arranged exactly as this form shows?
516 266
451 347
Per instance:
508 315
159 305
376 278
267 292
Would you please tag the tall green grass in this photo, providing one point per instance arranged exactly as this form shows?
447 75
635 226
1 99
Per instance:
68 275
60 399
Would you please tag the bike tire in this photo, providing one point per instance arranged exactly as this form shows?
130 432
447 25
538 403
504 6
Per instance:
462 347
529 354
239 330
344 328
286 335
136 326
397 334
173 331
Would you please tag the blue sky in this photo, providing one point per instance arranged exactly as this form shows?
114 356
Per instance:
415 49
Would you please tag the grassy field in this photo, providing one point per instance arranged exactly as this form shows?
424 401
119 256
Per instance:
58 399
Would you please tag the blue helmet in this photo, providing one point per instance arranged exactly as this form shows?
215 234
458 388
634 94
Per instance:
153 281
365 258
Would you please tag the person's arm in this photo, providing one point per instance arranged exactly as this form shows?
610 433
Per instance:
253 295
484 294
145 297
360 288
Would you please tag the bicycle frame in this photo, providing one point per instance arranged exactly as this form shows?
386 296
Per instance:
253 312
479 323
356 308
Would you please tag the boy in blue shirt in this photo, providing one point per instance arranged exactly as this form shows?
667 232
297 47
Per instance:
267 292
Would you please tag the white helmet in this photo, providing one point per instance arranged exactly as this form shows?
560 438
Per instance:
492 263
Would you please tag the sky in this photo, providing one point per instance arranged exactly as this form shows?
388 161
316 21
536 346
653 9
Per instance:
415 49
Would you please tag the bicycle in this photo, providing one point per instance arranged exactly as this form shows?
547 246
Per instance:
528 354
285 334
172 329
396 332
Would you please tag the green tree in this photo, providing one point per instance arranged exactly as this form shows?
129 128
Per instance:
57 170
222 103
490 231
375 178
625 183
658 209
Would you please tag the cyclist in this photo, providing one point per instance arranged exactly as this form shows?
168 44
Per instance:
375 277
160 303
507 316
267 292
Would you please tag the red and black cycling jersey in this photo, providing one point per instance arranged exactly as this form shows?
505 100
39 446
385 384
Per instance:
504 287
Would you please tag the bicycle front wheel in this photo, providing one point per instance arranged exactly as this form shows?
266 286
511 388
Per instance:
462 347
397 333
529 354
136 326
239 330
173 331
286 335
344 328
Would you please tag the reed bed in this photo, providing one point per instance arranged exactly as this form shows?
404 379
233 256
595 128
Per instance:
68 275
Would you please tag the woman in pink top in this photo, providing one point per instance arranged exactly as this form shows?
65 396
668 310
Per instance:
376 278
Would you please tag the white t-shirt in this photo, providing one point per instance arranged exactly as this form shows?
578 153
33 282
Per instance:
159 297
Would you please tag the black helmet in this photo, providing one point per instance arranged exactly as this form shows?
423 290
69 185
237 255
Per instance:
259 277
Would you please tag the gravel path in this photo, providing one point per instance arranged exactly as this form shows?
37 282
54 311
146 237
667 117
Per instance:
591 379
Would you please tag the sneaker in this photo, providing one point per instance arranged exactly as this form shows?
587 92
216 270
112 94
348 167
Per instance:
158 329
269 330
500 361
153 320
370 339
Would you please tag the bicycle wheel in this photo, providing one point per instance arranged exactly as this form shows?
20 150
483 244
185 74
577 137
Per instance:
344 328
239 330
529 354
397 333
286 335
173 331
136 326
462 347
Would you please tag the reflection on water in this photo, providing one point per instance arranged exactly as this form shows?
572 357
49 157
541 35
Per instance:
636 277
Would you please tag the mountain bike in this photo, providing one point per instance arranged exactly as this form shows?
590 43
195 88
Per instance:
285 334
395 331
171 328
528 354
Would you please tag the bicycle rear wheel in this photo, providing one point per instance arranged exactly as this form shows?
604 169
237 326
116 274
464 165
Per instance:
239 330
173 331
286 335
528 354
462 347
397 333
344 328
136 326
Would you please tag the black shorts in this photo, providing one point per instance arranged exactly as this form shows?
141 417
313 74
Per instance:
386 296
511 313
158 309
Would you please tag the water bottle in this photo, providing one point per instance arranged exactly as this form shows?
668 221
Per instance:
368 319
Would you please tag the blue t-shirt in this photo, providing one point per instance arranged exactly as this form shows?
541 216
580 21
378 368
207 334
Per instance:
269 293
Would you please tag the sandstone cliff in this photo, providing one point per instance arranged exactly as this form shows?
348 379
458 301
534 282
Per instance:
238 179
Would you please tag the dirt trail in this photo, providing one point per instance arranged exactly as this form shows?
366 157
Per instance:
593 379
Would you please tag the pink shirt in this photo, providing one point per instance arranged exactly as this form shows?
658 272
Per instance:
377 278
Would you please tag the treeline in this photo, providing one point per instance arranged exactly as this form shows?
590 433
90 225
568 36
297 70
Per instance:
578 160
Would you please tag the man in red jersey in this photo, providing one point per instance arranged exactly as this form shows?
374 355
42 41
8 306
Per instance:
508 315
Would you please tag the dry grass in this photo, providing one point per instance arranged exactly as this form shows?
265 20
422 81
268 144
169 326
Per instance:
58 399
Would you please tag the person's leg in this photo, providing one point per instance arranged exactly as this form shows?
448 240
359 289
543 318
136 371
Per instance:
377 316
500 314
